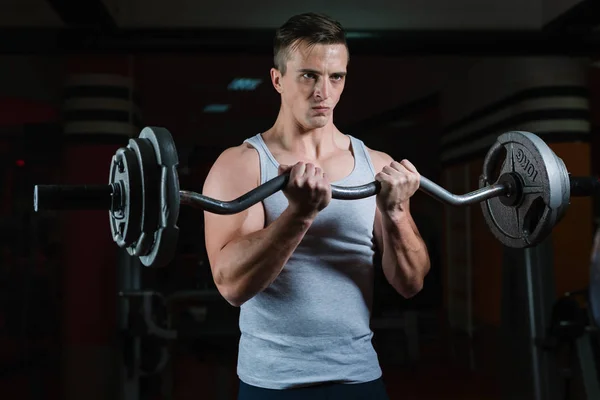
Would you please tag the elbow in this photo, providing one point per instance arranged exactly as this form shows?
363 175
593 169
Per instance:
410 288
412 285
231 292
233 299
231 295
406 286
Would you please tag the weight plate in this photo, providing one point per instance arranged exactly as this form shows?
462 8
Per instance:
125 220
594 288
150 173
546 189
165 238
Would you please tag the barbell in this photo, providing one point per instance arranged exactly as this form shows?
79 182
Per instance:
521 204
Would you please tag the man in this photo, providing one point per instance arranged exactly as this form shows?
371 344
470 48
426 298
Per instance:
299 264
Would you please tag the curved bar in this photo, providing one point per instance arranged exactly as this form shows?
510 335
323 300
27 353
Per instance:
242 203
355 192
337 192
477 196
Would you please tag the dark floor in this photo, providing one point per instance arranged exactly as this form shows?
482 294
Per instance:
439 382
448 367
442 373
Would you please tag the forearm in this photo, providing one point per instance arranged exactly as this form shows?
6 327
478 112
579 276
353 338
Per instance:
405 260
247 265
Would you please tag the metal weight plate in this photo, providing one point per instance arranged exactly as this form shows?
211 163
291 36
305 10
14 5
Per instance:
167 233
546 189
125 217
149 171
594 286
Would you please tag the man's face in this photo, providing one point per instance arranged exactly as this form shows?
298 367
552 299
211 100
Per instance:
313 83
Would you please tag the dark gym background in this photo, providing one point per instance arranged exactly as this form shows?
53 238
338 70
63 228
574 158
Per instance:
422 74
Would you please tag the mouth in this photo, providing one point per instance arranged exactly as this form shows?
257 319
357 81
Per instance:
321 109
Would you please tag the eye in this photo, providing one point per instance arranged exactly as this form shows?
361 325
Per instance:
309 75
337 77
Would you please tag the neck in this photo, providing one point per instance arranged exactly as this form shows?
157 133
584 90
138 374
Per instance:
311 143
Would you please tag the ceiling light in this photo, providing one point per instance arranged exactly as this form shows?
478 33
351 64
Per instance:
216 108
244 84
359 35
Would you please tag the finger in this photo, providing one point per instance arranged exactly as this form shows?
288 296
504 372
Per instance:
411 172
310 169
320 174
409 166
398 166
389 170
298 170
408 171
382 177
324 186
284 168
400 177
313 181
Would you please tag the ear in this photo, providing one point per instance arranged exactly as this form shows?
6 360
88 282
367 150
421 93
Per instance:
276 79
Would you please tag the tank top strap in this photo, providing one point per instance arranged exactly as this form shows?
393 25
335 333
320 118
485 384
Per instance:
269 167
362 158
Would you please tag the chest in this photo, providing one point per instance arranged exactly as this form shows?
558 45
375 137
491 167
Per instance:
336 166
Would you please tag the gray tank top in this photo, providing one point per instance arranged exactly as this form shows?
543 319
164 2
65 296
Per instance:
311 325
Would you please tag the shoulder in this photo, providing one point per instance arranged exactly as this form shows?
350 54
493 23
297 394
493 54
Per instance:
238 155
238 164
379 158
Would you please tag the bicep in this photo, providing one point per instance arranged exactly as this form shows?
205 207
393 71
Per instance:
227 180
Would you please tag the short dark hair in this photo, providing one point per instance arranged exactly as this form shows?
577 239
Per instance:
310 28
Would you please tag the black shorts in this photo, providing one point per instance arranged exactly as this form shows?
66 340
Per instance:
374 390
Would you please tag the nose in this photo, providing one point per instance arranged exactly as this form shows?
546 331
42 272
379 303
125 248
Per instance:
322 88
